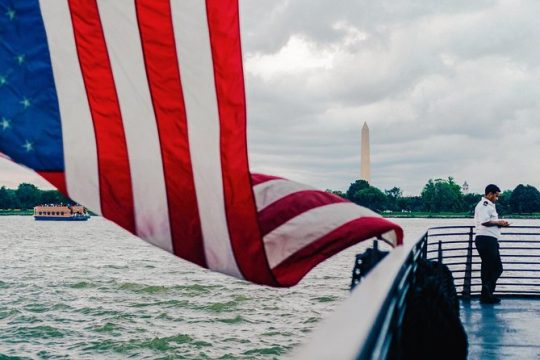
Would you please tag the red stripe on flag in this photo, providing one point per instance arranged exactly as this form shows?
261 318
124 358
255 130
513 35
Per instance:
257 179
157 37
293 205
294 268
113 163
57 179
246 241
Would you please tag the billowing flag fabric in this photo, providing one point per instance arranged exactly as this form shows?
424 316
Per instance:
136 109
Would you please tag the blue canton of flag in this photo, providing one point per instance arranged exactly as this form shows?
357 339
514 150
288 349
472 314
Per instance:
30 127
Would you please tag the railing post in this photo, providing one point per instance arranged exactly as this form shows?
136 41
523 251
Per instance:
424 245
468 268
365 262
440 252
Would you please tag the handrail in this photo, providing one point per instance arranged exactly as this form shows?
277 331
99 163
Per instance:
368 323
518 247
364 325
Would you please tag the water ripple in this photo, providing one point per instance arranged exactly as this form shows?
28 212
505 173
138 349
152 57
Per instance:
93 291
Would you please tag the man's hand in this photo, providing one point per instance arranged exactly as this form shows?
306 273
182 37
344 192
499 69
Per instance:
499 223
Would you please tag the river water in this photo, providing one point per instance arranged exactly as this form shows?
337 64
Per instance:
90 290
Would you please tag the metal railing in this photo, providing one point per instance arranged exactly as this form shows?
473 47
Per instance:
520 255
454 247
451 245
367 325
385 334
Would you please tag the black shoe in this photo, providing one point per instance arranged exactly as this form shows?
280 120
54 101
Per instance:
489 300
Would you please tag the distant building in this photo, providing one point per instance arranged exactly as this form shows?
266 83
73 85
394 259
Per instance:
465 188
365 162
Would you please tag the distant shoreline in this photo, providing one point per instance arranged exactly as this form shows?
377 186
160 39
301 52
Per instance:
424 215
28 212
396 215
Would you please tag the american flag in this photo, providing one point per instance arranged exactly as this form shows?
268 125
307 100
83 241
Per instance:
137 110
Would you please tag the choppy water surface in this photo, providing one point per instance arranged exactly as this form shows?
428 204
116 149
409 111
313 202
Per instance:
90 290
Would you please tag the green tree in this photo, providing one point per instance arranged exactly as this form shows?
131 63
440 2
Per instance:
4 201
392 197
442 195
8 199
410 203
469 202
337 192
370 197
355 187
53 197
29 195
525 199
503 204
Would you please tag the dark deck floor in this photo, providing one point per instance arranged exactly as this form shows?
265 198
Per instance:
509 330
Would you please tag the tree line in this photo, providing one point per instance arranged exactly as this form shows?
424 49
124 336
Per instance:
26 196
440 196
437 196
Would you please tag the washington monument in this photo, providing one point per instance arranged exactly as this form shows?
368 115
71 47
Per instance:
365 165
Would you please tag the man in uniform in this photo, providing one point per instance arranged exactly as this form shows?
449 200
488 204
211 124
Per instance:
487 233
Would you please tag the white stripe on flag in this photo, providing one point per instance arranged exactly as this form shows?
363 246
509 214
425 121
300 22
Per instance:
271 191
125 51
80 154
390 237
197 76
307 227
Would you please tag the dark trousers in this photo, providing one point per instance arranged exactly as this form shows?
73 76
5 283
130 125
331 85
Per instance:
488 248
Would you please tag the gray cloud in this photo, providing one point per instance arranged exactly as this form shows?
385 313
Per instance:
447 90
267 24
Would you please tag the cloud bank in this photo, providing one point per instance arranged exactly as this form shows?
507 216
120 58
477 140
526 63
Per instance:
448 89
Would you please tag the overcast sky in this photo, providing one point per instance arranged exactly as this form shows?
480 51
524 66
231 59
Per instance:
448 88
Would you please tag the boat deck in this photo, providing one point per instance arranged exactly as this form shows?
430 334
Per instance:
509 330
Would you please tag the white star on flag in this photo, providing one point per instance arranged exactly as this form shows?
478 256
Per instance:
10 14
26 103
28 146
4 123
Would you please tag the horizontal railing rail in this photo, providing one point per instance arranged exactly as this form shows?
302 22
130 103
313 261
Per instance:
520 255
368 324
373 332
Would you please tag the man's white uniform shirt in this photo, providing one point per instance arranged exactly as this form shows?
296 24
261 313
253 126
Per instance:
485 211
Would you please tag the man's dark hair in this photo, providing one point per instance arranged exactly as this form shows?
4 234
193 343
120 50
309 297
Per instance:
492 188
